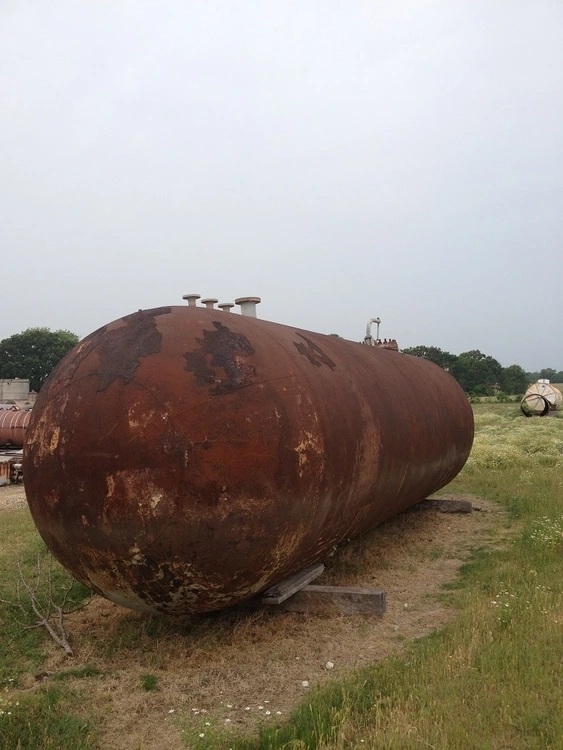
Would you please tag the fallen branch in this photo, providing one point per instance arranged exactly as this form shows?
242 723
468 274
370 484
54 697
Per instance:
50 615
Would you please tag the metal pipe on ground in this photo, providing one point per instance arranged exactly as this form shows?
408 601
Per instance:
13 424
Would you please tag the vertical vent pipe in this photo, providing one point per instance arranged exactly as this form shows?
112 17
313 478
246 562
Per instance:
191 298
209 302
248 305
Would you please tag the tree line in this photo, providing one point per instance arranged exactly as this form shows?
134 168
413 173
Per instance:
548 373
482 375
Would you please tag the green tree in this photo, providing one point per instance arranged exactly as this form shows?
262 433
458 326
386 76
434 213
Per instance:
33 353
548 373
434 354
477 372
513 380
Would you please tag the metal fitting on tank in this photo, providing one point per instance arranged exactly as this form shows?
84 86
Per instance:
248 305
191 298
368 338
209 302
226 306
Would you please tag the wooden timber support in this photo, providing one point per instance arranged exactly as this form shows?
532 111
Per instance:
295 594
290 585
337 600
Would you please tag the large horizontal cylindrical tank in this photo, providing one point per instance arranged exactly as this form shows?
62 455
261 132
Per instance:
183 459
13 424
538 392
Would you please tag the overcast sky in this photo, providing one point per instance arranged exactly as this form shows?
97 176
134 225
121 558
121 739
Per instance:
341 160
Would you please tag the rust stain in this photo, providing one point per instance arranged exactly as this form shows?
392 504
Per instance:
224 349
123 348
313 352
305 449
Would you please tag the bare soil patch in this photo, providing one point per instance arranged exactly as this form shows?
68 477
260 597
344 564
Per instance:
230 669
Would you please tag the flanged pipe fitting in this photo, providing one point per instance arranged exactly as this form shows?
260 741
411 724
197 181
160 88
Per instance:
248 305
209 302
191 298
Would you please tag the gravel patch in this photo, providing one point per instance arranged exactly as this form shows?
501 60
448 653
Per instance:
12 497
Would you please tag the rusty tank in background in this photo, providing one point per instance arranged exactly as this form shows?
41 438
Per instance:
11 471
540 399
184 459
13 424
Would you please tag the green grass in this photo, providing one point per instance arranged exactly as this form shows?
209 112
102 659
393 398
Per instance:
88 670
149 681
20 642
43 721
493 678
21 649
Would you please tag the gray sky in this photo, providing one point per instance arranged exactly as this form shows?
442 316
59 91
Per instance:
341 160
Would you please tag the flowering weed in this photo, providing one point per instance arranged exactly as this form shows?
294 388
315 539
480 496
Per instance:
547 532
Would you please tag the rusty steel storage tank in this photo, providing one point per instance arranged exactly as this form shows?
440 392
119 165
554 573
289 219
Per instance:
183 459
13 424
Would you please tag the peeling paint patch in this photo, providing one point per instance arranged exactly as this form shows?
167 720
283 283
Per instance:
54 441
136 557
121 350
51 499
46 433
223 349
110 484
139 419
313 352
304 449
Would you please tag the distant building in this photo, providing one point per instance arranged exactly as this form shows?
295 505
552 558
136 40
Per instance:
16 391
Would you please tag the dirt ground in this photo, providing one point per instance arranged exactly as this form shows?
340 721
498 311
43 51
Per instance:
237 670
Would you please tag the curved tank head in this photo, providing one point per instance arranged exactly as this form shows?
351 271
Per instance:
182 459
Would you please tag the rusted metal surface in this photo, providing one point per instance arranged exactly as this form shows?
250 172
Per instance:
5 470
181 460
391 344
13 424
10 467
